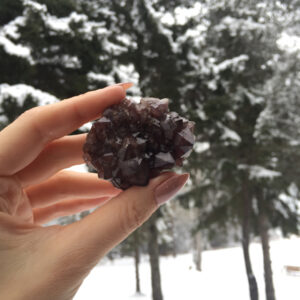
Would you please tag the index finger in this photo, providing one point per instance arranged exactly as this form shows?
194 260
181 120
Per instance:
24 139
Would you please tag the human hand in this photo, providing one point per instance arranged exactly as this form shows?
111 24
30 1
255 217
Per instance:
51 262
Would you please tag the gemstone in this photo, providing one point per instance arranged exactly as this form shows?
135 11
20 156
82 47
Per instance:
134 142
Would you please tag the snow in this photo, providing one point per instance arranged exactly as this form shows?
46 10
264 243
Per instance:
101 77
157 16
242 25
3 119
230 115
182 15
289 201
113 48
229 134
78 168
35 6
257 172
201 147
236 63
254 99
21 91
126 40
11 29
223 276
260 172
290 43
57 24
67 61
127 73
14 49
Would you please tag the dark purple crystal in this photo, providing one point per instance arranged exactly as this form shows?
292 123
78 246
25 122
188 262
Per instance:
133 142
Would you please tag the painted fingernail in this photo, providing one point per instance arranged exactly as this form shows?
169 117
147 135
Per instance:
125 85
169 188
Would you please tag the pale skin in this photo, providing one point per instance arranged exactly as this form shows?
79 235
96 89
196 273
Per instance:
39 262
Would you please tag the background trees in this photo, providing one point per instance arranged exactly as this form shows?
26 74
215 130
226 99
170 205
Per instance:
232 66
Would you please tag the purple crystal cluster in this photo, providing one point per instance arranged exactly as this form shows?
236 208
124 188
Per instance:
133 142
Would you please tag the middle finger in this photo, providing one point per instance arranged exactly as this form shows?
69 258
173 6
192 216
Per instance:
60 154
68 185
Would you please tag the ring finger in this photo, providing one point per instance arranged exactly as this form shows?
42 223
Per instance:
67 185
60 154
65 208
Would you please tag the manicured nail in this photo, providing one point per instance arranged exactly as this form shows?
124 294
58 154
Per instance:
125 85
169 188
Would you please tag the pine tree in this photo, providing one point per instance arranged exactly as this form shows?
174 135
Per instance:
231 69
57 48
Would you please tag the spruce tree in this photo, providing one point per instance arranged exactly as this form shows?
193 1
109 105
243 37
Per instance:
228 96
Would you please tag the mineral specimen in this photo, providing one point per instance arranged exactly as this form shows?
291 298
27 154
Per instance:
133 142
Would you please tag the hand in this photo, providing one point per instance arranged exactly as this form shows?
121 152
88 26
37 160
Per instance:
38 262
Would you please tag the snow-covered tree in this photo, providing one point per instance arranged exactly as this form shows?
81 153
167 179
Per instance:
61 49
231 68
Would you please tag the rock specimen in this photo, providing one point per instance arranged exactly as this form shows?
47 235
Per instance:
133 142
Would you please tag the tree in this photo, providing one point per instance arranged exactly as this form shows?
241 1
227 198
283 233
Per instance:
154 259
133 246
58 48
15 99
227 95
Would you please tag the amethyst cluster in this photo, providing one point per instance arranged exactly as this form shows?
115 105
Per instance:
133 142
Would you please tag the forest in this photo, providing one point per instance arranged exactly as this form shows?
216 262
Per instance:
231 66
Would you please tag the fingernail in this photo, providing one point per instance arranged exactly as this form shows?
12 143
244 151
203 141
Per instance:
125 85
169 188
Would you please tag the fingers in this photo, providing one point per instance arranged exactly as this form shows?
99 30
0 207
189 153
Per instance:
65 208
24 139
68 185
60 154
106 227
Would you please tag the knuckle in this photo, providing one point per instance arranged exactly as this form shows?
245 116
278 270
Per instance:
31 113
132 217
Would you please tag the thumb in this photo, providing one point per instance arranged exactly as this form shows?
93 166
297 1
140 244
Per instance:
100 231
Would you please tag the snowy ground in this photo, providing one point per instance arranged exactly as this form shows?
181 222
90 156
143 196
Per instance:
223 276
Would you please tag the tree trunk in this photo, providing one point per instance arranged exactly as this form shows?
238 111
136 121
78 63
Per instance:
264 236
137 260
154 260
172 212
198 251
247 203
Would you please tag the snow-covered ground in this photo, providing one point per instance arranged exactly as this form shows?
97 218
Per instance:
223 276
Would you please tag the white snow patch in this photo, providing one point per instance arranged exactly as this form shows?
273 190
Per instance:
14 49
86 127
289 43
3 119
57 24
21 91
181 15
127 73
65 60
236 63
35 6
223 275
11 29
236 25
254 99
101 77
230 115
113 48
229 134
75 17
201 147
257 172
126 40
78 168
212 84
